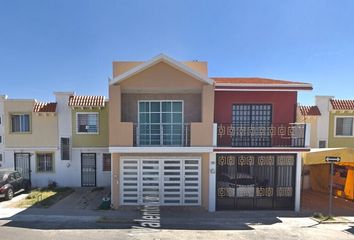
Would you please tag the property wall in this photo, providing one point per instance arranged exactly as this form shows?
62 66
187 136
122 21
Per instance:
44 127
284 104
192 105
91 140
324 105
312 120
2 129
333 141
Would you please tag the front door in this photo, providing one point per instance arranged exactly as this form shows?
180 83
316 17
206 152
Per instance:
23 164
88 169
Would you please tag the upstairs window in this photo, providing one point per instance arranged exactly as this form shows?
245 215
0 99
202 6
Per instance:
87 123
65 148
20 123
344 126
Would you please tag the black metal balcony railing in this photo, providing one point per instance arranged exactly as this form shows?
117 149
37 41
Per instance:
261 135
161 134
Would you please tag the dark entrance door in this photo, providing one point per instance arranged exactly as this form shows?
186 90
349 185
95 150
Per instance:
249 181
88 169
23 164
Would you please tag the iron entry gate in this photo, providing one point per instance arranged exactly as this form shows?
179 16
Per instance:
23 164
88 169
249 181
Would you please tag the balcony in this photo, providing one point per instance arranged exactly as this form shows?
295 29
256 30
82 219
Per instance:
161 135
270 135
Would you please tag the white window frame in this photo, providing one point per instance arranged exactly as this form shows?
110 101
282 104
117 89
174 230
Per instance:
161 101
335 127
53 162
88 113
29 123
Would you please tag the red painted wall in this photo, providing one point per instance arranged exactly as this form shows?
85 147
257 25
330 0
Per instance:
284 104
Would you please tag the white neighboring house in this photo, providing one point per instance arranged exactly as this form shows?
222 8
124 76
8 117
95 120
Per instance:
2 130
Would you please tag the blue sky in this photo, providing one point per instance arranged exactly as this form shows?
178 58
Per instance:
67 45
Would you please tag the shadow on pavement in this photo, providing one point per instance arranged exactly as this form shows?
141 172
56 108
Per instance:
350 230
177 218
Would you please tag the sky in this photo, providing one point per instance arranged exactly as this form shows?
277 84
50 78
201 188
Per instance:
66 45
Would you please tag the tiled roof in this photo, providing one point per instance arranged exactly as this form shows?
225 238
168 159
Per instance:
86 101
251 81
342 104
44 107
309 111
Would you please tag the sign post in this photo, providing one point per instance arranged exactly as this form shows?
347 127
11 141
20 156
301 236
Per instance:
331 160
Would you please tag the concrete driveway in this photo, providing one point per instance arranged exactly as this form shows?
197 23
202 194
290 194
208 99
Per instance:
82 198
18 197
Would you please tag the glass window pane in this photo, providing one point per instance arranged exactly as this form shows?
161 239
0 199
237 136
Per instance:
177 129
344 126
167 129
155 117
166 106
166 118
177 107
155 106
144 118
177 117
143 106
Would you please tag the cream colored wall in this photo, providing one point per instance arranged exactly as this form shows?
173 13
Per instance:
123 66
115 158
44 127
160 79
313 121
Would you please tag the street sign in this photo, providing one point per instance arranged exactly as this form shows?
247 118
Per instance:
332 159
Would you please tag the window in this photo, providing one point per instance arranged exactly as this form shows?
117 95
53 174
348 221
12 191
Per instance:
322 144
65 148
20 123
106 165
246 116
87 123
45 162
161 123
1 158
0 139
344 126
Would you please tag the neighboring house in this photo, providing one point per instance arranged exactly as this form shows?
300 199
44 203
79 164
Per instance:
64 141
332 122
259 143
2 130
31 144
310 115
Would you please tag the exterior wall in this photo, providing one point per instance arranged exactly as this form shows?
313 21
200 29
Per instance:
160 79
91 140
122 67
333 141
204 174
191 104
284 104
2 130
44 127
66 173
324 105
312 121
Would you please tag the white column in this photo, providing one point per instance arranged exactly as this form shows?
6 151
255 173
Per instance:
212 182
308 135
298 182
215 134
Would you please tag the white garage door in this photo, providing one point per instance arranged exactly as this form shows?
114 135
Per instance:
172 181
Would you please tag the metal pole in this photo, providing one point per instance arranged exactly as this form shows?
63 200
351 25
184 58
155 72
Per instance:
330 191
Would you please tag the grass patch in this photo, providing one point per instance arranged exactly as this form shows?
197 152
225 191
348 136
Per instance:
44 197
321 217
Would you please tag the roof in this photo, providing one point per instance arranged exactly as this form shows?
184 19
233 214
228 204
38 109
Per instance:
161 58
254 83
342 104
309 111
86 101
45 107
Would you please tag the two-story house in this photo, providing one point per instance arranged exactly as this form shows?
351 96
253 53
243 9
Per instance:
258 143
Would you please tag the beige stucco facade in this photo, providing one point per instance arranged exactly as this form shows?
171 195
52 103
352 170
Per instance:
312 123
43 126
161 81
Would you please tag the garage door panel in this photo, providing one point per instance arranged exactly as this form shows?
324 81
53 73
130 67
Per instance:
173 181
